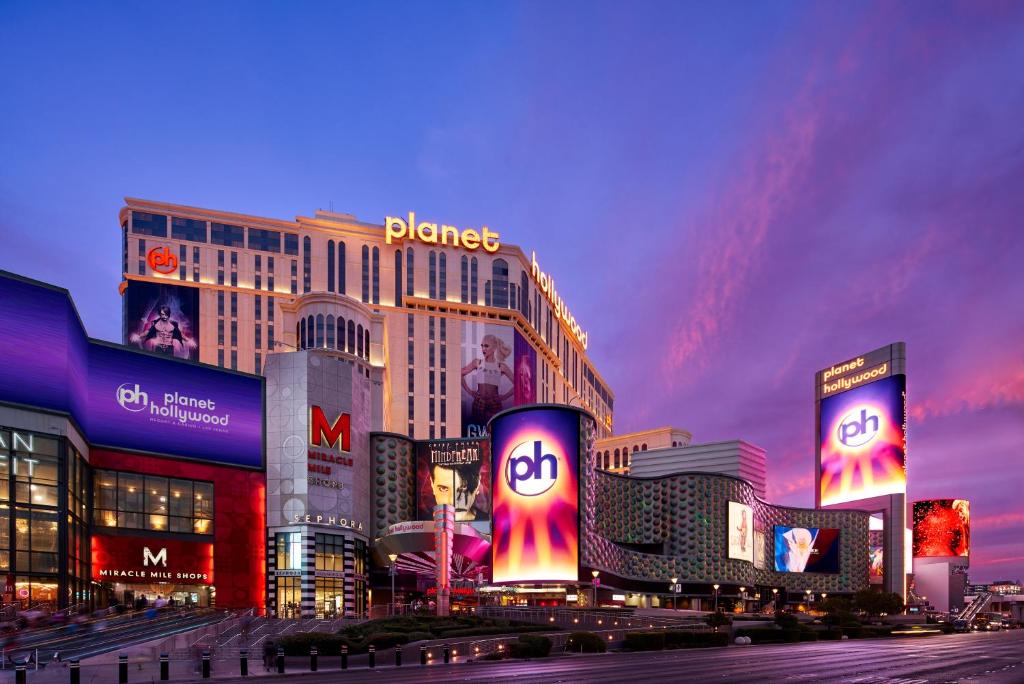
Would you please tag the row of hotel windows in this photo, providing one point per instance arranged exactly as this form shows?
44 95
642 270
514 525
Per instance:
498 291
319 333
621 459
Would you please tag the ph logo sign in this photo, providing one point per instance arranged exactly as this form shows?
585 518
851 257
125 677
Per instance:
162 260
131 397
531 469
858 427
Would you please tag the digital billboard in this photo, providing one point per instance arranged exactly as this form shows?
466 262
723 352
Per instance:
123 398
806 549
876 564
535 485
456 472
499 370
741 532
942 528
162 318
759 541
863 442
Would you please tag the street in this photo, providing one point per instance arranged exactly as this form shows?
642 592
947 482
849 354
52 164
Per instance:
982 657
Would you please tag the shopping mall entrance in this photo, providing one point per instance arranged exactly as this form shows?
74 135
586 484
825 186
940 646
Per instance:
183 595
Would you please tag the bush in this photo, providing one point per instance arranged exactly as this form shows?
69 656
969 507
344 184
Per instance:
530 646
645 641
299 644
683 639
831 635
762 635
419 636
585 642
787 621
876 631
808 635
718 619
484 631
384 640
791 636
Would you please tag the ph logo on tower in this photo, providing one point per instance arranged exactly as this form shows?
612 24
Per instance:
859 426
531 468
131 397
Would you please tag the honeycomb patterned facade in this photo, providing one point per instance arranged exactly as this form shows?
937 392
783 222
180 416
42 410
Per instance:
394 480
687 514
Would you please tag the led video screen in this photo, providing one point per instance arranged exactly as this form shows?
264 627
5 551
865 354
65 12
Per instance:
863 442
456 472
535 482
942 528
499 368
806 549
163 319
741 532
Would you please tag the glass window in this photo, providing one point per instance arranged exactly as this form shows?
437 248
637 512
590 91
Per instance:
289 550
366 274
330 597
330 552
291 244
499 286
330 331
376 275
156 503
227 235
341 267
265 240
149 224
398 277
160 504
188 229
330 265
320 331
409 272
307 269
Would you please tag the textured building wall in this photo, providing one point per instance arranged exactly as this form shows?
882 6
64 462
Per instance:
394 480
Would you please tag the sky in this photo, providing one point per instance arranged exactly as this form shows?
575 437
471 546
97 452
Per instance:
731 196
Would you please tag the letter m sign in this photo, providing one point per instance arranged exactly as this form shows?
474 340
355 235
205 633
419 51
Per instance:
149 559
323 433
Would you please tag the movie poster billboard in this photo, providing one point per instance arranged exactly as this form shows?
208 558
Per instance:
876 564
535 485
863 442
942 528
759 541
741 532
806 549
456 472
499 369
162 318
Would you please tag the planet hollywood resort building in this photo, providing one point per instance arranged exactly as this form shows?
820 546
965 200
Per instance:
359 369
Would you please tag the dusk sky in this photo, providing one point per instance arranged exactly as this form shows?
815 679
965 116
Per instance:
730 196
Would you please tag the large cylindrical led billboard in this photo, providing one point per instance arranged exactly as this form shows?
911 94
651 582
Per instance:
863 442
942 528
535 484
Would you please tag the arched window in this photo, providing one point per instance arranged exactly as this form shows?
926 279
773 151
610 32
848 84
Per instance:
307 264
376 275
341 267
643 447
366 274
409 279
341 333
330 265
499 283
351 337
524 295
398 277
464 262
442 277
617 461
300 333
607 459
366 346
472 281
319 331
432 260
310 338
330 331
359 339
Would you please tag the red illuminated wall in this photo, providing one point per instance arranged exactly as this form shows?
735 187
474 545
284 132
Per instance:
121 558
239 520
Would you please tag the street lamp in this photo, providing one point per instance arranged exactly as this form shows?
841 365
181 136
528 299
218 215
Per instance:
743 599
674 581
716 596
593 587
808 592
775 599
392 557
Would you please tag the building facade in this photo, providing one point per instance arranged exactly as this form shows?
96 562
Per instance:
460 324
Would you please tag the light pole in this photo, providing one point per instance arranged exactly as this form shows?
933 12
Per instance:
674 581
716 596
392 557
593 587
743 599
775 600
808 592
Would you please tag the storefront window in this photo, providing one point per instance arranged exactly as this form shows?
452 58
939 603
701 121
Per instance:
289 551
289 596
330 597
160 504
330 552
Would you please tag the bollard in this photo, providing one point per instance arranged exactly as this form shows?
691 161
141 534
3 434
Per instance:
423 655
313 653
447 653
20 674
243 662
398 656
280 660
76 674
122 669
344 656
373 656
206 664
165 667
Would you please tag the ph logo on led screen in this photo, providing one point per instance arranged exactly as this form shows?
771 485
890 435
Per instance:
858 427
132 398
531 469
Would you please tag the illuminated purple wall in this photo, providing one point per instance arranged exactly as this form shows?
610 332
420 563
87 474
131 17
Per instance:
119 396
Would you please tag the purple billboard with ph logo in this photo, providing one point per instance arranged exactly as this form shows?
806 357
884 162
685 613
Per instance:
121 398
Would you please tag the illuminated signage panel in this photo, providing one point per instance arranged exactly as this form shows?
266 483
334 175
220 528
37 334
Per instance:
396 228
942 528
863 442
741 532
456 472
535 483
163 319
806 549
143 560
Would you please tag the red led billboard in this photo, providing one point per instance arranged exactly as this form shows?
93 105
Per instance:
942 528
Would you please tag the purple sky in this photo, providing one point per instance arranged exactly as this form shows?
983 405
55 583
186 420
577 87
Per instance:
730 198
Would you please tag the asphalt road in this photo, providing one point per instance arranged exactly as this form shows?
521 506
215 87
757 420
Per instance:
996 657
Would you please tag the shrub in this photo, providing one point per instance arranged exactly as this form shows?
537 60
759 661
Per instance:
762 635
299 644
791 636
808 635
585 642
718 619
385 640
683 639
831 635
645 641
876 631
530 646
420 636
787 621
484 631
